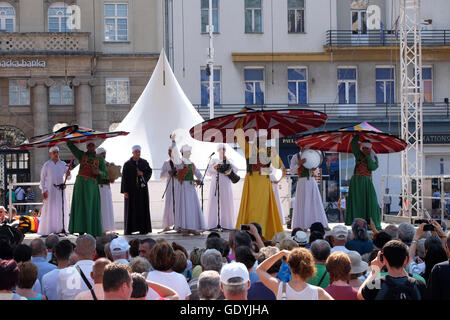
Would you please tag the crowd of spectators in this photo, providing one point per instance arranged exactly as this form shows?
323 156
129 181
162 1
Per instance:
361 263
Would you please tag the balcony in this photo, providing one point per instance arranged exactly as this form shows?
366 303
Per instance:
382 38
341 112
44 43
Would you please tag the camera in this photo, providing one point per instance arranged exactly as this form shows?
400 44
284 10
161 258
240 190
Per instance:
245 227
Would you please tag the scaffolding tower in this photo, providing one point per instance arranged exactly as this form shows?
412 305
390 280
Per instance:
411 107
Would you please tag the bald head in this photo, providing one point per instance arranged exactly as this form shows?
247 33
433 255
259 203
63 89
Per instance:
98 268
38 248
85 247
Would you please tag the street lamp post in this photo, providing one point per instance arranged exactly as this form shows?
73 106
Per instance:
211 62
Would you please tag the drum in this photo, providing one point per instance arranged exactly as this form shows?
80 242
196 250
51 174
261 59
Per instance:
113 172
223 168
313 158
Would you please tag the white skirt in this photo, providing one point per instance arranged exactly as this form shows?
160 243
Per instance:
168 215
308 206
107 208
189 215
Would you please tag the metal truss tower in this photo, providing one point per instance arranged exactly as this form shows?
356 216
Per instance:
411 106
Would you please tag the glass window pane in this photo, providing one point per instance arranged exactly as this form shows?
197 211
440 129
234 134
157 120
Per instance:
427 74
203 76
205 4
390 92
216 75
216 93
205 20
291 20
427 91
111 92
215 18
204 94
300 21
249 89
253 3
122 10
292 92
9 25
122 92
296 4
296 74
248 21
259 93
384 73
341 92
347 74
302 93
352 92
254 74
258 21
379 91
110 10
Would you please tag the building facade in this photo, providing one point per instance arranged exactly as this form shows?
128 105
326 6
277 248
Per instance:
70 62
328 55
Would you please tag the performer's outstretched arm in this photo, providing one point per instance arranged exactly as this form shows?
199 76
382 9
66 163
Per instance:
355 146
75 151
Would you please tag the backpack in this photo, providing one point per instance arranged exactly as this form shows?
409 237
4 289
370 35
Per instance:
392 291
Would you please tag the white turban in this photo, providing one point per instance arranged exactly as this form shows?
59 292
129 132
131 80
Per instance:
54 148
186 148
136 147
221 146
100 150
366 144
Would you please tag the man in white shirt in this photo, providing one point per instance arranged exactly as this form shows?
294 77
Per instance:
70 282
96 274
62 251
120 250
339 238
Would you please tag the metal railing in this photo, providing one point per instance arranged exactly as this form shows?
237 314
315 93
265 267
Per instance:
336 111
377 38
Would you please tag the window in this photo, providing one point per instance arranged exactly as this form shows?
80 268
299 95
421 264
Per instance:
60 94
254 85
116 22
205 15
385 86
347 85
359 21
427 84
297 85
296 16
58 15
19 93
117 91
7 17
17 161
253 16
204 78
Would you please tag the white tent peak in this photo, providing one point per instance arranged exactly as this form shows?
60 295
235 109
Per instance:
161 109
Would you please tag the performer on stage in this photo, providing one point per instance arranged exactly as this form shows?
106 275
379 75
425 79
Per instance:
172 195
189 216
135 176
276 192
308 206
362 201
258 202
85 213
53 174
224 192
106 198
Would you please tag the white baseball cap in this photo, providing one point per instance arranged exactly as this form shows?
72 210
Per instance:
234 270
119 245
340 232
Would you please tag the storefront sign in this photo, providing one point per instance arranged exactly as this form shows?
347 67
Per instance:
22 63
436 138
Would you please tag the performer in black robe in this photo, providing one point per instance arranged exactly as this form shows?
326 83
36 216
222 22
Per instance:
135 175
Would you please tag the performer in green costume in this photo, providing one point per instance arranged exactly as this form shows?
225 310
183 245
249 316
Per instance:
85 212
362 201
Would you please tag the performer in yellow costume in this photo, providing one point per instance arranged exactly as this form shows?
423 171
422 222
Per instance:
258 202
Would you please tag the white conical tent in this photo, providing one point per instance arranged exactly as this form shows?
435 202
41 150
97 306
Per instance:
162 109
